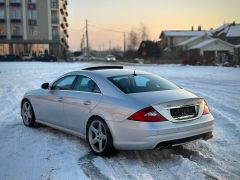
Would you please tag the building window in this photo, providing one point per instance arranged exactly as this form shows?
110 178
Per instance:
16 14
54 3
16 30
2 16
55 19
32 14
15 1
31 1
55 33
2 29
33 30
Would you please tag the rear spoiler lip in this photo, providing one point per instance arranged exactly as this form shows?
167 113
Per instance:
102 68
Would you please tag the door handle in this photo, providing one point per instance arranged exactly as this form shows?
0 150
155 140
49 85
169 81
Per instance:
60 99
87 102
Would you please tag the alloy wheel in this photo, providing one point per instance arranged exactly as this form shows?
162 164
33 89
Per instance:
97 136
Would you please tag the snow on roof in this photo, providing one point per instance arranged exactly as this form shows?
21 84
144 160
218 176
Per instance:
234 31
209 41
202 44
184 33
223 27
190 40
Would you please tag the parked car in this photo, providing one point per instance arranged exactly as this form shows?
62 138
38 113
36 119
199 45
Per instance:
115 108
110 57
45 58
2 58
138 60
26 56
12 57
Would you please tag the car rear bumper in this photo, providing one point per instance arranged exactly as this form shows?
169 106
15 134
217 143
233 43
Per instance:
133 135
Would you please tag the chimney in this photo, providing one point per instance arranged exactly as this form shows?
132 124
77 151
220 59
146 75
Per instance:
199 28
192 28
234 23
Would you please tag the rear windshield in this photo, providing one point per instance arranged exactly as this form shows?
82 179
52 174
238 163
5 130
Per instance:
141 83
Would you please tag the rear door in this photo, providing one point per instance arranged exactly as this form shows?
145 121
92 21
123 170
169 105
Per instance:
80 102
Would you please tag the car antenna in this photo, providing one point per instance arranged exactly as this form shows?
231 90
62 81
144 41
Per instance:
134 73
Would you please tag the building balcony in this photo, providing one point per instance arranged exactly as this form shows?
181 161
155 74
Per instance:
16 20
55 21
62 11
32 22
55 37
15 3
54 5
62 25
16 36
31 6
2 36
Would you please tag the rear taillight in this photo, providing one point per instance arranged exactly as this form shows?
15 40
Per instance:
205 109
148 114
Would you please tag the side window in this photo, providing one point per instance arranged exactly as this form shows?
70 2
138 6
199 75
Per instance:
86 84
64 83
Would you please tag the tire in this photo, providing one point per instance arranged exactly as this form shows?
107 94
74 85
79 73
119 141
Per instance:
27 113
99 137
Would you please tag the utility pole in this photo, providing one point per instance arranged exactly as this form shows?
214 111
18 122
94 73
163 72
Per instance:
124 43
87 37
110 46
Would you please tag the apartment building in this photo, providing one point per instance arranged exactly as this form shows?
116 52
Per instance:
33 26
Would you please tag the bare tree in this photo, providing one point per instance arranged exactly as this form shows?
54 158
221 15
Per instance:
144 34
133 40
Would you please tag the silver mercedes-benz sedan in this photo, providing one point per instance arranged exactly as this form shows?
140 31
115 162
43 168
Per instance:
116 108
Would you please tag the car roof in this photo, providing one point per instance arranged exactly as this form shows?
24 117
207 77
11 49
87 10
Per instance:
108 72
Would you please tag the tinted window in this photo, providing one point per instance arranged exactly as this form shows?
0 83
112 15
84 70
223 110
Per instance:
86 84
141 83
64 83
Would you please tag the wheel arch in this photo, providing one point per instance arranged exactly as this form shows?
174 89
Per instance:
97 116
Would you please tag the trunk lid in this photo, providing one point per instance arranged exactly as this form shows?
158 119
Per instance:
175 105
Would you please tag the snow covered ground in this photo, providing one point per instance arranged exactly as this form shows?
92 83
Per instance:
44 153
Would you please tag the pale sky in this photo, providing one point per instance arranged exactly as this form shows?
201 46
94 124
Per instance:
157 15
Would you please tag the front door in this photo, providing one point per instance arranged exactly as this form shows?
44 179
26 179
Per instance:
51 105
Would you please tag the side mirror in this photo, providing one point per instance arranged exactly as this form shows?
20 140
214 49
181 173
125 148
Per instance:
45 86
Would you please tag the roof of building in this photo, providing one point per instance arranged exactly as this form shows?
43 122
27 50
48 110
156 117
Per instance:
228 30
234 31
223 27
209 41
202 44
237 46
183 33
191 40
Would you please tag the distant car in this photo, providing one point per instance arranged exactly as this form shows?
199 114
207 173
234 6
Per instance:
85 58
26 56
45 58
116 108
12 57
110 57
138 60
